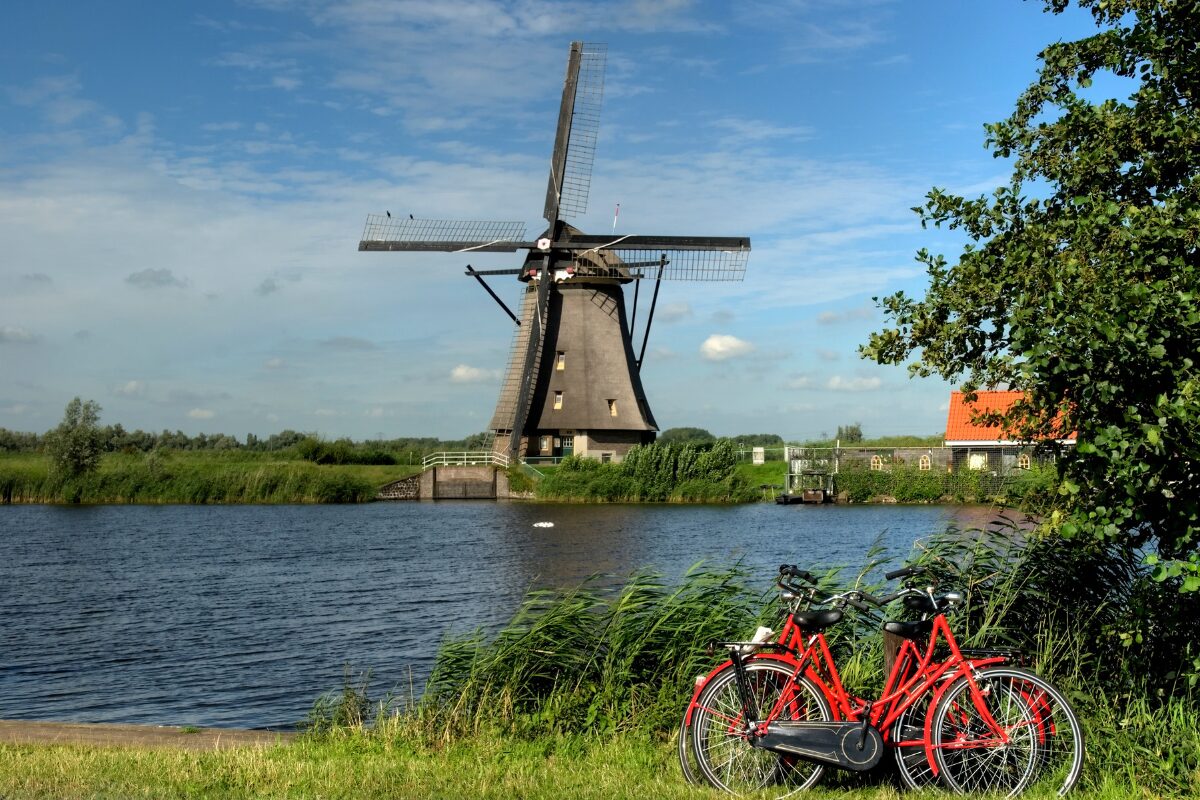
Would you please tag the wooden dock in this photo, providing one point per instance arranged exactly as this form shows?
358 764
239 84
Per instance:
141 736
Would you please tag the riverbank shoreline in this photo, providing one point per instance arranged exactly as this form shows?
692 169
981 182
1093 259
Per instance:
171 737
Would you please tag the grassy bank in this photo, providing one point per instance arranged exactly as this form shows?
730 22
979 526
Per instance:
393 764
194 477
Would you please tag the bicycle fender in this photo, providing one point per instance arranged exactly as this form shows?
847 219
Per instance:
687 717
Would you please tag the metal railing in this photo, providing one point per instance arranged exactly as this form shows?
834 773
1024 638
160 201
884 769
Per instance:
465 458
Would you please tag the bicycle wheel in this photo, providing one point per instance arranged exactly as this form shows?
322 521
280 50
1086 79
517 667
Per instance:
719 739
1045 740
915 770
686 750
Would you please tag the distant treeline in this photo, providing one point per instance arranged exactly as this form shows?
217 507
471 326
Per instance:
313 447
310 446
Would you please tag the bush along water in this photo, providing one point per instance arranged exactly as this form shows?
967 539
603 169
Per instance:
160 477
602 659
1027 488
653 473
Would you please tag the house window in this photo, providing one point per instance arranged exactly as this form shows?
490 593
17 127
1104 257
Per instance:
1024 461
557 400
606 458
612 408
923 464
877 463
545 443
977 461
560 362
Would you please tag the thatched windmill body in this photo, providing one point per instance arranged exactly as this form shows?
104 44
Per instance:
573 382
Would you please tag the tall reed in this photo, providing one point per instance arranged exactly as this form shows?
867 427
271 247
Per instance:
589 660
192 478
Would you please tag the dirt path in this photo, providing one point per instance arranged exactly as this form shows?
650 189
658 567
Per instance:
103 735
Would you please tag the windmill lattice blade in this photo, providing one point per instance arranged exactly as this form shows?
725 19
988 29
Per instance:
585 127
449 235
571 178
681 265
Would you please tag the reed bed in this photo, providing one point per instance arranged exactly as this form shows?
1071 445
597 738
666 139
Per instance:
591 658
196 478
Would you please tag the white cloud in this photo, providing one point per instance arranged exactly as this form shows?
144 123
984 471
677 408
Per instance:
674 312
201 413
799 382
15 408
274 363
468 374
839 384
720 347
12 335
326 412
130 389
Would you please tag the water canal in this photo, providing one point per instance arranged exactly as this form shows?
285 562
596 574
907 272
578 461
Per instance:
240 616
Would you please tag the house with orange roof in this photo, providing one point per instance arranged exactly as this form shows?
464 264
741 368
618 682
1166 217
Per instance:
978 446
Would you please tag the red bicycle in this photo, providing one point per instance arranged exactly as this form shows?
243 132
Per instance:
776 714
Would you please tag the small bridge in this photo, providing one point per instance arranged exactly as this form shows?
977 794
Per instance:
465 458
465 475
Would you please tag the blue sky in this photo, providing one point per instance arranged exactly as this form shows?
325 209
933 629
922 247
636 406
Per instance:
183 186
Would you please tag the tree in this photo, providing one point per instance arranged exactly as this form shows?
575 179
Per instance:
1081 284
850 434
686 436
758 439
76 444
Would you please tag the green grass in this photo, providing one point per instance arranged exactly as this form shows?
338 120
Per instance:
394 763
772 472
194 477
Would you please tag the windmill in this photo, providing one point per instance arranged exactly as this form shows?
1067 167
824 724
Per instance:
573 383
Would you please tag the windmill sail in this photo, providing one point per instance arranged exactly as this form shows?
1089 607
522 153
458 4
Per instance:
578 125
446 235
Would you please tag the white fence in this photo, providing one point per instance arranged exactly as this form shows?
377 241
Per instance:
465 459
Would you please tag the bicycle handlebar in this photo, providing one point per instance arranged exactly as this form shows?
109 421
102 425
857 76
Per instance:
857 598
792 571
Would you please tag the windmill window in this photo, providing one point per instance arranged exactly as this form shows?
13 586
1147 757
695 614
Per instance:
924 464
876 463
612 408
560 362
1024 461
557 400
